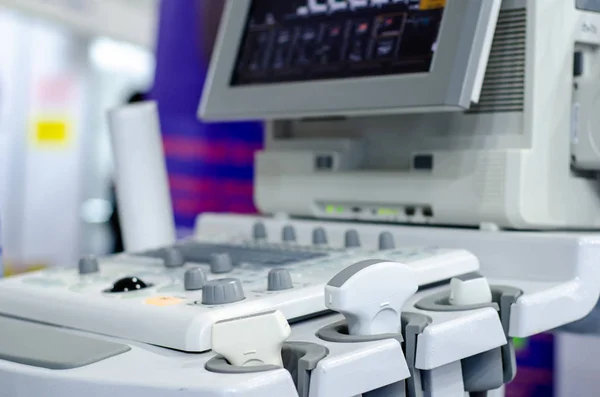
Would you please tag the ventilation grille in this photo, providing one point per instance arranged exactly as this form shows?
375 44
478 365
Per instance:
504 85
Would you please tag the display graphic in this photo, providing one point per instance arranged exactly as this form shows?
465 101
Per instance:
302 40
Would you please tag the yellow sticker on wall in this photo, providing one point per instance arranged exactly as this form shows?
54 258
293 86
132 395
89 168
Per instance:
51 132
432 4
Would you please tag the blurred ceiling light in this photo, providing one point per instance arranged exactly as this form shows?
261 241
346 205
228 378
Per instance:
110 55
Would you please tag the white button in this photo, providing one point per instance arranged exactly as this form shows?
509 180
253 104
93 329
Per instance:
474 291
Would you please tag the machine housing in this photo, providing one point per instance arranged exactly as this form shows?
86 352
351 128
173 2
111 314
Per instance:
508 160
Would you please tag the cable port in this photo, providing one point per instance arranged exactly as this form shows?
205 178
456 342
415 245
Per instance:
410 211
428 212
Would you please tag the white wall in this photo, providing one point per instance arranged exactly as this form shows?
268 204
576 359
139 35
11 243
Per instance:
45 76
51 70
14 84
9 29
131 21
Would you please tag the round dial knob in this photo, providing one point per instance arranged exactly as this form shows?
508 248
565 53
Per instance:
279 280
386 241
319 236
259 231
194 279
173 257
352 240
220 263
128 284
222 291
288 234
88 265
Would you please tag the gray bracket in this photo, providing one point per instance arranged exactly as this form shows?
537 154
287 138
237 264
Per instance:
299 359
338 333
507 296
413 325
480 372
483 372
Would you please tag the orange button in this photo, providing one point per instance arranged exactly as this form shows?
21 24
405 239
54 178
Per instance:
163 301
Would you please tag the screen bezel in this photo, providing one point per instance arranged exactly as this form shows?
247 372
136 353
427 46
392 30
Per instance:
448 86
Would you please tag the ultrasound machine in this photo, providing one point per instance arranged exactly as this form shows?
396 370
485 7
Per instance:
428 192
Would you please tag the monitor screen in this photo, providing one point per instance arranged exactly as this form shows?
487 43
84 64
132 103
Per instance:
291 59
302 40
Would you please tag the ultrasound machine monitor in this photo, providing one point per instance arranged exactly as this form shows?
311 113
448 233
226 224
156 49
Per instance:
312 58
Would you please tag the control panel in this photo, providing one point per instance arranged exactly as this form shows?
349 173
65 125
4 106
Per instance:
173 296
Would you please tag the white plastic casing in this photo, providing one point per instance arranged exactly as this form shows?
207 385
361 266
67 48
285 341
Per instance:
157 372
470 292
372 299
145 207
556 271
251 340
506 162
55 296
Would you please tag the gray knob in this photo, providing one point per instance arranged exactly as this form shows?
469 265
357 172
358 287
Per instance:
288 234
220 263
352 240
319 236
386 241
194 279
173 257
88 265
280 280
259 231
223 291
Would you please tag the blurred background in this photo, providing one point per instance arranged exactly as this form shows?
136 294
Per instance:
64 63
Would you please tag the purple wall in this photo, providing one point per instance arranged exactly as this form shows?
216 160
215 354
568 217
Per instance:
210 165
